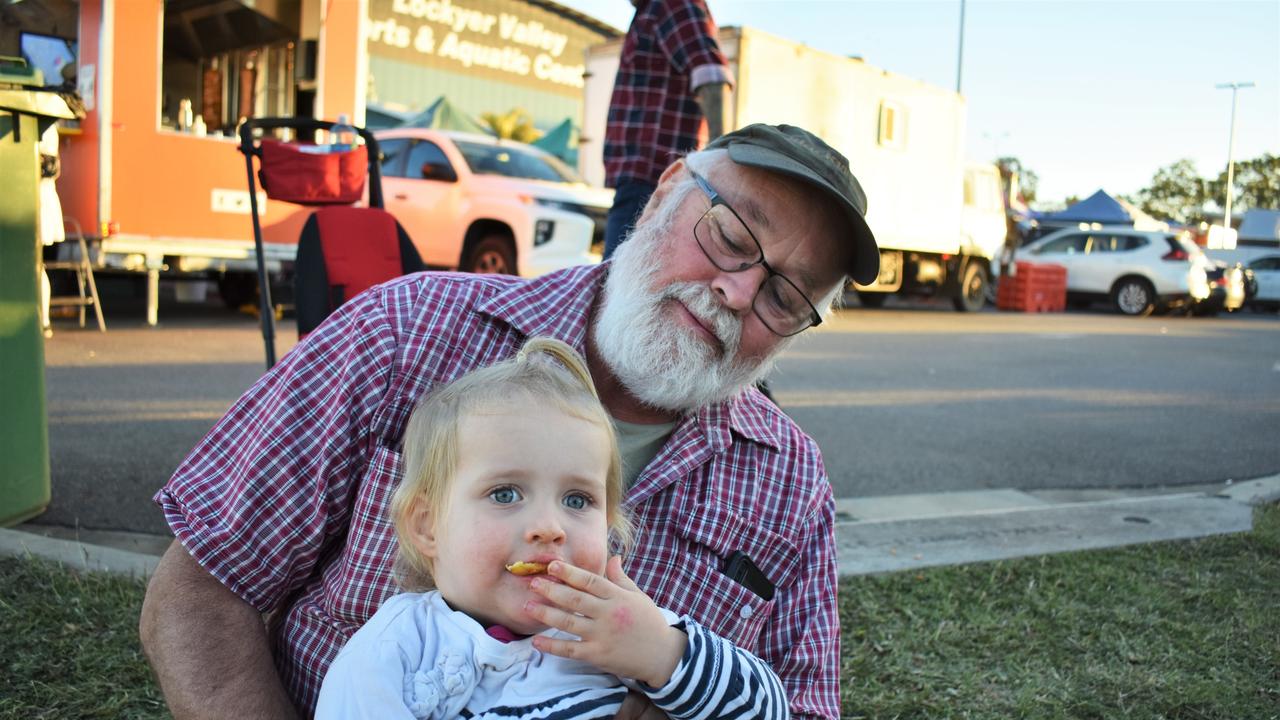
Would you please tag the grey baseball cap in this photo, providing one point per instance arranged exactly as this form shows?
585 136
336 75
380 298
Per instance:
800 154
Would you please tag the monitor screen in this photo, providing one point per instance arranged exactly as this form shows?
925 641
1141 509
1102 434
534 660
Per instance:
49 55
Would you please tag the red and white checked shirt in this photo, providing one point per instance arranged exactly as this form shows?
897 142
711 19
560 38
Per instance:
285 500
654 117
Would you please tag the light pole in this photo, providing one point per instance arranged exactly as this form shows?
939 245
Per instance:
960 53
1231 149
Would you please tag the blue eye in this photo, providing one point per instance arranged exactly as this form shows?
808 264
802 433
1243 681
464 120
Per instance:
577 501
504 495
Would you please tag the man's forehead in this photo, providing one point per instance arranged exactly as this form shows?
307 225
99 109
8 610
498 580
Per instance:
827 255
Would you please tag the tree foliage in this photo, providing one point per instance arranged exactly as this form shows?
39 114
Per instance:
514 124
1178 193
1027 178
1257 184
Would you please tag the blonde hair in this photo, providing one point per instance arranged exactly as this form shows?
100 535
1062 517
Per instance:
545 369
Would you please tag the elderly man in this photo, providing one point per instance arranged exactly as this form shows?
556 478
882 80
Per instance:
281 509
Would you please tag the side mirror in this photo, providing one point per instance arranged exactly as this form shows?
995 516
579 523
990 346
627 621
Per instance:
442 172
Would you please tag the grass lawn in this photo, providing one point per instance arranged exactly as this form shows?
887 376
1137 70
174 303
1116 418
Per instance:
1173 630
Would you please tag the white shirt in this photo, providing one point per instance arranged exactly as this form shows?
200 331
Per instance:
418 658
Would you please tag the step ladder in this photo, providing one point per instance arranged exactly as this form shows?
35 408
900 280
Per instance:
82 266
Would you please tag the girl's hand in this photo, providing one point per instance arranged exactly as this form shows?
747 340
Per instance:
622 630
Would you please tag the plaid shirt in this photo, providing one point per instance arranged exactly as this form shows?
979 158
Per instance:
654 117
285 500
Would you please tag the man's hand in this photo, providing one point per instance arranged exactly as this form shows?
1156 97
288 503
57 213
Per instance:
622 630
711 100
638 707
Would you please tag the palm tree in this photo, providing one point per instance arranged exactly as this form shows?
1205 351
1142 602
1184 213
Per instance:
515 124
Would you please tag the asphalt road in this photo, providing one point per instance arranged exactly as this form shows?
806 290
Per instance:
900 400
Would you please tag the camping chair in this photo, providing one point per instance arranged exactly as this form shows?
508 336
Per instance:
343 250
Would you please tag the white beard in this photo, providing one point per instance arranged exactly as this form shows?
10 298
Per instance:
660 362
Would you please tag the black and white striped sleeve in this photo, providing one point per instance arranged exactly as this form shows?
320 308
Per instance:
717 679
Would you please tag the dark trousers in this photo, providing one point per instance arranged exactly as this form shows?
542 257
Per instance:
629 199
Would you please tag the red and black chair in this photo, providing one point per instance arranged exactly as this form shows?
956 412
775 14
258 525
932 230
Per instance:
343 249
342 252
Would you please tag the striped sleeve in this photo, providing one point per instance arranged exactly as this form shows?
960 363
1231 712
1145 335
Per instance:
717 679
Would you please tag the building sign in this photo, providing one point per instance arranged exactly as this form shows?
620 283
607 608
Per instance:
507 40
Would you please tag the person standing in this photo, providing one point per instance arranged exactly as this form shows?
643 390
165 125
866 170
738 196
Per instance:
671 77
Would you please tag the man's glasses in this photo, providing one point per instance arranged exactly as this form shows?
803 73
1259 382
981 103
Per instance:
732 247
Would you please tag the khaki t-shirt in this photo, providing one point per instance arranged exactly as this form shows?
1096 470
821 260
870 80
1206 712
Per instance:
638 444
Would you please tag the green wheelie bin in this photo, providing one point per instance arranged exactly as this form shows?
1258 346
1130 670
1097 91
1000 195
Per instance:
25 111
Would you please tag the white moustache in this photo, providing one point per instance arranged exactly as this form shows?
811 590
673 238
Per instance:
701 301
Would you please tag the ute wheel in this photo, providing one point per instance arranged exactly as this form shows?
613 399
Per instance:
872 299
1133 297
238 289
973 288
493 255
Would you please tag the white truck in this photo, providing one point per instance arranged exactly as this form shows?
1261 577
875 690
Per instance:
939 220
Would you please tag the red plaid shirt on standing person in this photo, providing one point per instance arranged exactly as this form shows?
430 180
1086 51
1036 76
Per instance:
654 117
285 500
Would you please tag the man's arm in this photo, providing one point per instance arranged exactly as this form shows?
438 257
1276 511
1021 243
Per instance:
711 97
208 648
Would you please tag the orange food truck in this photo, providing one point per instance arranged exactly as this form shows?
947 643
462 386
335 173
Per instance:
152 172
163 185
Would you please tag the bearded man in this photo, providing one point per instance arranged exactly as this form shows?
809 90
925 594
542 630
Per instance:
281 510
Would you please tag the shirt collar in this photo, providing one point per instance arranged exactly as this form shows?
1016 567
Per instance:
558 305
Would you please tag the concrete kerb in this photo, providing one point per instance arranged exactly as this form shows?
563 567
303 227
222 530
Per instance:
76 554
873 535
897 533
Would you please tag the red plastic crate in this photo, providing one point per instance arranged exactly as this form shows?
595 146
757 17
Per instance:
1034 287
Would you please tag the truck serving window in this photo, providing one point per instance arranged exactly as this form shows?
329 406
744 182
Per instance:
223 62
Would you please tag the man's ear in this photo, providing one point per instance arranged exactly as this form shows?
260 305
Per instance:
671 171
420 530
664 186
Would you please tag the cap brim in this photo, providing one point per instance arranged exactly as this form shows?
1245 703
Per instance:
865 265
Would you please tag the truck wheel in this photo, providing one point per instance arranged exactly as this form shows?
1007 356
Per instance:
972 294
493 254
872 299
1134 297
238 289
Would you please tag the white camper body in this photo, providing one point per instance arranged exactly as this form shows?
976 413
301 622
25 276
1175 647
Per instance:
939 221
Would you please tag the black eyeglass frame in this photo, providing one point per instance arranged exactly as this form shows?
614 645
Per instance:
815 318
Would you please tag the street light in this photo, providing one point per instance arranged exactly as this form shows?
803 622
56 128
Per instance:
1231 149
960 52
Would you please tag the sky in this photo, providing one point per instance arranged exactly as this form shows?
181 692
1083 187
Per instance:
1088 94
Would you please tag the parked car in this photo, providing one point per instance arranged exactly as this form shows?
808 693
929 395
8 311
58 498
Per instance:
1266 273
478 204
1137 271
1228 289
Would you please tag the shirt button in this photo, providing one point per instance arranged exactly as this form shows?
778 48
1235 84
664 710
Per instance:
746 612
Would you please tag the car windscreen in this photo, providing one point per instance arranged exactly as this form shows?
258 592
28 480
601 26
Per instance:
510 161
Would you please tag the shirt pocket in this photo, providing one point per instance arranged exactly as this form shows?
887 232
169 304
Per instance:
711 533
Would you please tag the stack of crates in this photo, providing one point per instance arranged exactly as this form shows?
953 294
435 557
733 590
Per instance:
1033 287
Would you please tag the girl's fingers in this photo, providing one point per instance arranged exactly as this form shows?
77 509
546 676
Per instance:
553 646
614 572
552 616
567 598
573 576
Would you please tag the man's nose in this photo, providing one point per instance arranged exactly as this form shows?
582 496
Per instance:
737 290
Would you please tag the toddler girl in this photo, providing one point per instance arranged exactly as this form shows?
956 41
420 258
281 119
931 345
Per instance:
510 503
